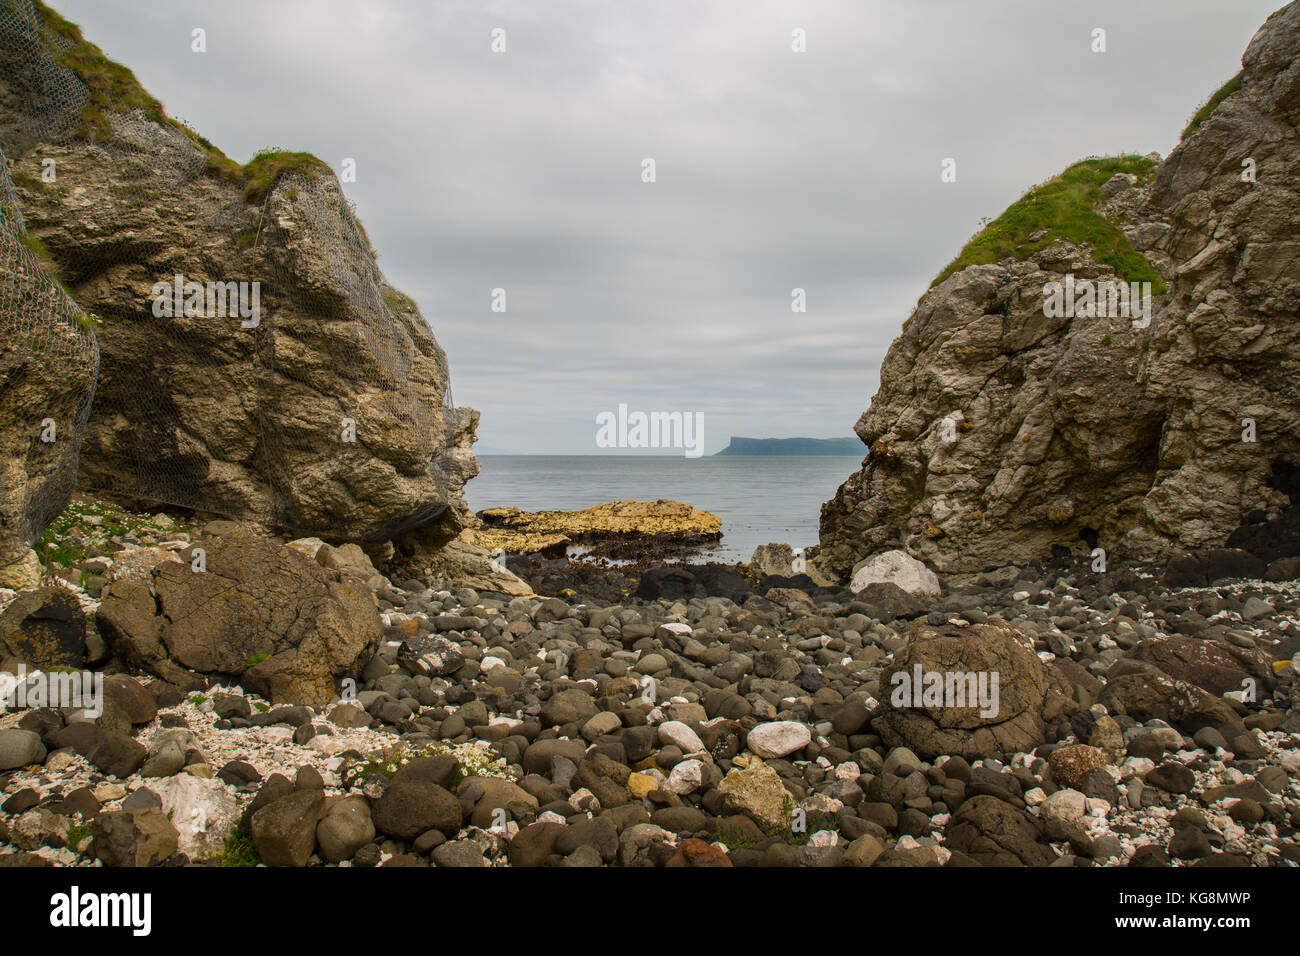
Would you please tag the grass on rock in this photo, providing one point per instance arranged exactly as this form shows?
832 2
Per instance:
1226 90
265 168
76 833
1064 208
239 850
734 839
113 88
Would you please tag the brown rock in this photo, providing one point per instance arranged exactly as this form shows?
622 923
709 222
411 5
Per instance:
1023 688
45 628
1070 766
1215 666
284 831
695 852
261 613
135 838
994 833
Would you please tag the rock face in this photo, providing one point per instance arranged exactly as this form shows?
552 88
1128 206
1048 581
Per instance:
287 627
999 432
322 408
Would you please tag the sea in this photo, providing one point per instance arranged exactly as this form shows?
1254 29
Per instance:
760 499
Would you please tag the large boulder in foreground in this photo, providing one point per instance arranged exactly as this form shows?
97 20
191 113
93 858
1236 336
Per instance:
323 407
262 614
1000 433
979 659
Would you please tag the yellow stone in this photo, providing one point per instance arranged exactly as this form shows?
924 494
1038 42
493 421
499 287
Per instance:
519 532
109 791
641 784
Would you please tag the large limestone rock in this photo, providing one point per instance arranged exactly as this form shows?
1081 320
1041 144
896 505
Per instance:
465 564
999 432
261 613
756 791
613 529
202 811
1045 413
326 413
897 568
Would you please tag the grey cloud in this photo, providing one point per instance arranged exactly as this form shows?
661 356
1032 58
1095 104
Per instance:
775 170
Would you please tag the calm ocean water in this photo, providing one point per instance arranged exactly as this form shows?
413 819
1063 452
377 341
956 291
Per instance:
759 499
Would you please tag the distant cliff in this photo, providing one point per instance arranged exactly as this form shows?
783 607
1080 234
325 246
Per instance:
794 446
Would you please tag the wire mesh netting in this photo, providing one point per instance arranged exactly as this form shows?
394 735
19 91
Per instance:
48 363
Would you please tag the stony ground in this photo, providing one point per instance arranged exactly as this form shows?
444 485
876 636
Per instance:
1141 723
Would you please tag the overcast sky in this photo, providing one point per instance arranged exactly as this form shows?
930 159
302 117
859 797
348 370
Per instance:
775 170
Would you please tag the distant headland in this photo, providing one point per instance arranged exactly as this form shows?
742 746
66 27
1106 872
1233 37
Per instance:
794 446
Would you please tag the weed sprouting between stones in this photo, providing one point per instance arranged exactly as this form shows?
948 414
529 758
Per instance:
475 759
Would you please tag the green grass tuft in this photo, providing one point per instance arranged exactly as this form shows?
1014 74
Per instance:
111 86
239 850
734 839
399 301
1065 207
1226 90
76 833
265 168
51 267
